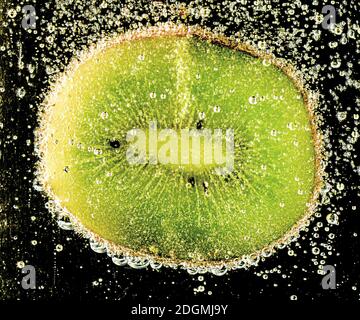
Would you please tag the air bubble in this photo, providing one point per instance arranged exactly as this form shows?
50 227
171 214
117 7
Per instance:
59 248
104 115
12 13
217 109
97 247
332 218
252 100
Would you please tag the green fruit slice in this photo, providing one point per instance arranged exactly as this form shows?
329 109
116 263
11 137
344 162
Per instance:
178 80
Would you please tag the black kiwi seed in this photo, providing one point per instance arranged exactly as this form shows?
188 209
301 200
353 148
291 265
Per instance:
205 186
114 143
191 180
199 124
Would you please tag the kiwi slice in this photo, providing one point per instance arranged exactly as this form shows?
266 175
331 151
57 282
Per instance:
193 212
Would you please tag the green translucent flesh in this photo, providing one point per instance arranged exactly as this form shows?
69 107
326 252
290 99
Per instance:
152 208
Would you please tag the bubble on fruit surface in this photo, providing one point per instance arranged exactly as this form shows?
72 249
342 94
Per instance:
66 35
252 100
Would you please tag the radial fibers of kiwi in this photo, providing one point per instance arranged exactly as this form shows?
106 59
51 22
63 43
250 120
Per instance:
180 79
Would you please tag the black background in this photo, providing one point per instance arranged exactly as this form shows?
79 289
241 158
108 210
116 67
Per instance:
70 274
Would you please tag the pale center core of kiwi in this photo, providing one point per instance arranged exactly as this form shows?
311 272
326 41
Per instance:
192 150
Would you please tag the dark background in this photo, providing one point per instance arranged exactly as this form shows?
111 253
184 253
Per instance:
74 272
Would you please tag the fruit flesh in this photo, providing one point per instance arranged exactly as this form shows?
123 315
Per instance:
166 211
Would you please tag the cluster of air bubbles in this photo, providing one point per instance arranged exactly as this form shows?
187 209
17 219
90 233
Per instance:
67 222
